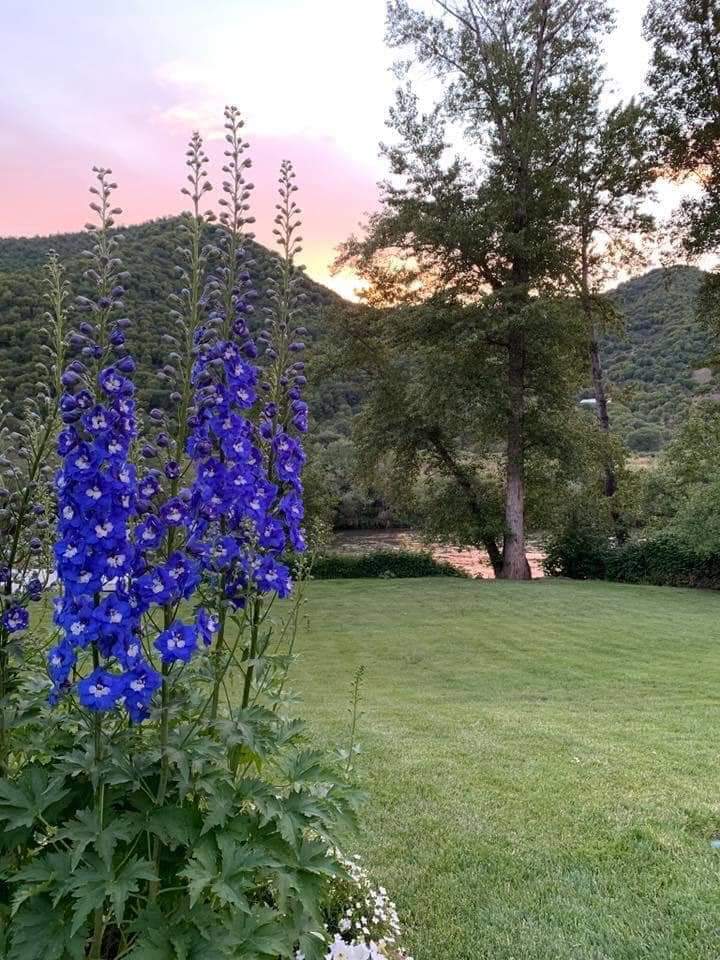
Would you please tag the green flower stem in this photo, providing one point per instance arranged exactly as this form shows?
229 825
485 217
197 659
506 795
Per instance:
255 621
218 656
99 806
154 885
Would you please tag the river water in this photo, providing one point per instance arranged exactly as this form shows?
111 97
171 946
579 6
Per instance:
470 559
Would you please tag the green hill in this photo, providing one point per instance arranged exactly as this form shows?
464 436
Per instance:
652 368
149 254
661 360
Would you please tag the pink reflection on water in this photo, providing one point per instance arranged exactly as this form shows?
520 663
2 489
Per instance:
470 559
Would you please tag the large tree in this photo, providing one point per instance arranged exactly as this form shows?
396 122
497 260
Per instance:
684 80
481 239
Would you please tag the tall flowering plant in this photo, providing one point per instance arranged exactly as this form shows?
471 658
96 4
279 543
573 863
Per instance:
246 500
97 495
165 804
26 504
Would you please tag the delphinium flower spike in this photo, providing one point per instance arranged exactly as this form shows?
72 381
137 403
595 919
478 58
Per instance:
231 491
283 417
96 489
166 574
286 416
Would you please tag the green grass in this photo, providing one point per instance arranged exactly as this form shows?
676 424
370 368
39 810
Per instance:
541 761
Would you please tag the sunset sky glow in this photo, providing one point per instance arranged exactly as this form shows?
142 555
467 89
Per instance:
124 85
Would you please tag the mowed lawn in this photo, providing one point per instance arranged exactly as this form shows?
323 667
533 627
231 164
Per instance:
542 761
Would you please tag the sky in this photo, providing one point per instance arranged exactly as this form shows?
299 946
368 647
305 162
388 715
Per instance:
125 84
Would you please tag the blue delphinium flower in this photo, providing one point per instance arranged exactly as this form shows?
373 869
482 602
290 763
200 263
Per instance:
15 619
101 690
208 625
141 682
97 494
178 642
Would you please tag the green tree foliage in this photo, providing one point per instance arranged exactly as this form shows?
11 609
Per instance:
612 177
684 80
683 492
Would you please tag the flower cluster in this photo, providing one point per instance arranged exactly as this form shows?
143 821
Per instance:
247 494
97 495
245 514
341 950
370 914
130 542
361 919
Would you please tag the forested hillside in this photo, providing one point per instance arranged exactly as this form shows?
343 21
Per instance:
660 361
651 367
149 254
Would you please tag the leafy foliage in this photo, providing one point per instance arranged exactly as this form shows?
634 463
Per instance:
685 102
242 859
381 563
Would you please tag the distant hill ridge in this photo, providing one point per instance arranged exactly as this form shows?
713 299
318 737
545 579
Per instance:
650 368
149 254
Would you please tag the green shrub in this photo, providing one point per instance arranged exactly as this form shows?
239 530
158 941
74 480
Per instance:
664 560
381 564
577 553
647 439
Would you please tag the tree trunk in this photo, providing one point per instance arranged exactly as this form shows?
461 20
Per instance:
465 482
610 484
515 565
496 557
601 408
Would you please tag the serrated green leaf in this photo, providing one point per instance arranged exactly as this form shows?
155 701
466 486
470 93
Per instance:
83 832
264 933
201 870
175 826
126 881
49 872
25 800
40 932
303 767
220 808
96 881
